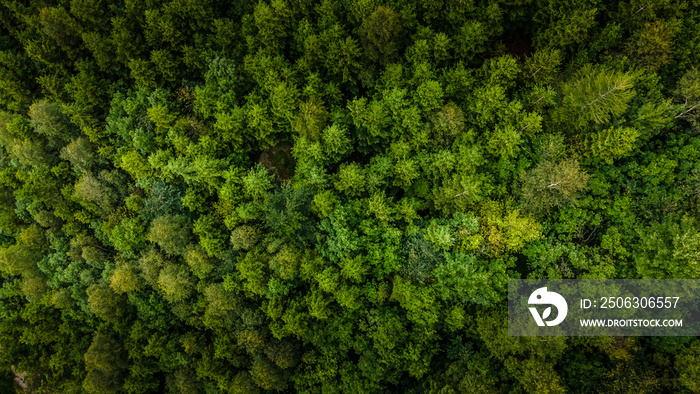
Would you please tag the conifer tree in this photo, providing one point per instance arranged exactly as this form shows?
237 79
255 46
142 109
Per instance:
596 95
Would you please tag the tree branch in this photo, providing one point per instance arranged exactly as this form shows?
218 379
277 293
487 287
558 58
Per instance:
602 96
645 6
536 71
538 100
686 112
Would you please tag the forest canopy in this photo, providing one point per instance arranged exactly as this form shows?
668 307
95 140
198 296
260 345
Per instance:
330 196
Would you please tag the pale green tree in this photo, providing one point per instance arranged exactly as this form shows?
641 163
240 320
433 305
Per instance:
550 184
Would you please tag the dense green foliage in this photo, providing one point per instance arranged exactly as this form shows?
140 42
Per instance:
330 196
